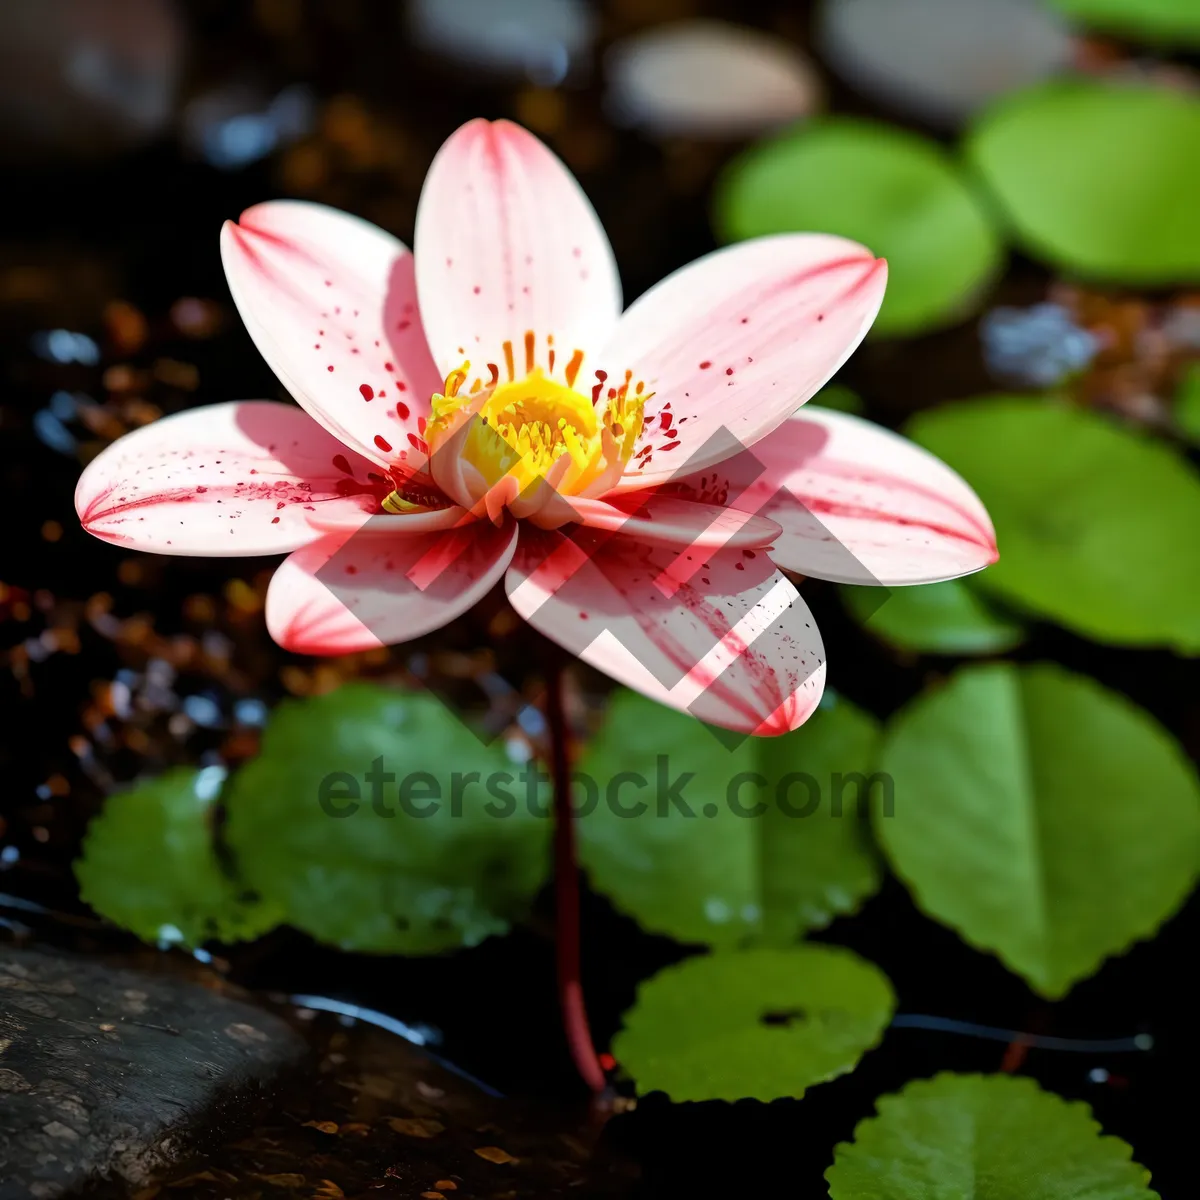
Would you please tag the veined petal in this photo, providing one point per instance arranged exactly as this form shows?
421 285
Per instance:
723 636
227 479
669 520
391 525
331 304
857 503
351 592
733 344
507 245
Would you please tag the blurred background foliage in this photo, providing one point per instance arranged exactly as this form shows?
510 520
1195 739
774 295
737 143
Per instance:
1029 169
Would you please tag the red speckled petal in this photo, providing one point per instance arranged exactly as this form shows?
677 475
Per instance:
507 243
348 593
734 343
725 636
227 479
857 503
391 525
668 520
331 304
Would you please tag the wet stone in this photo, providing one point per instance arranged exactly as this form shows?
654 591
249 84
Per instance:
109 1073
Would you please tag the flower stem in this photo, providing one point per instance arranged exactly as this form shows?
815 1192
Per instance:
566 885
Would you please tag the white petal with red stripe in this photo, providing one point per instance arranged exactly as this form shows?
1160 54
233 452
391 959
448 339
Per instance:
331 303
358 592
731 345
508 246
228 479
723 635
857 503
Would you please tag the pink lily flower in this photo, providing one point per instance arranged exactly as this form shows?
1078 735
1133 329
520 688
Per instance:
483 410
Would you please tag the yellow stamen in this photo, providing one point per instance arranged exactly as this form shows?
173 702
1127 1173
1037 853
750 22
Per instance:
525 428
396 503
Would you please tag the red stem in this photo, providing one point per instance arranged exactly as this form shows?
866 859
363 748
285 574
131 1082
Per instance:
566 887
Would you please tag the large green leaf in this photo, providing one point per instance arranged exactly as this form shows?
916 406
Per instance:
1043 817
1099 178
757 1023
148 864
996 1137
721 860
308 833
1096 523
1187 404
1171 22
839 398
896 192
934 618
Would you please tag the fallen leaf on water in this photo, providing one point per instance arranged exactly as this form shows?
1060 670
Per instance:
328 1190
494 1154
422 1127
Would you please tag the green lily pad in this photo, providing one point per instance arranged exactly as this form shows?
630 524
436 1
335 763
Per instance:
1043 817
1096 177
934 618
896 192
728 846
448 851
1096 522
993 1137
839 398
759 1023
148 864
1168 22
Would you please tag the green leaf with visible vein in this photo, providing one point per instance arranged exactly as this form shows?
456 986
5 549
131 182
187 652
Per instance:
379 822
997 1137
1043 817
727 846
149 865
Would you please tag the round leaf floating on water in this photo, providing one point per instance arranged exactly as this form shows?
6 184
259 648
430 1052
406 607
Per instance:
943 59
1043 817
1187 405
381 823
148 864
759 1024
719 844
708 79
934 618
1096 522
839 398
1169 22
943 1137
1099 178
896 192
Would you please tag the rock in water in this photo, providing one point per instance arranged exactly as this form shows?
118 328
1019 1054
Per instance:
942 60
708 79
85 80
107 1072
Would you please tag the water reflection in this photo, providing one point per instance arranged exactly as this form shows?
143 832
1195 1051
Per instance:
942 59
541 39
86 78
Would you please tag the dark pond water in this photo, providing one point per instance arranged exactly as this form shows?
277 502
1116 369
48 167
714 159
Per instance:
140 227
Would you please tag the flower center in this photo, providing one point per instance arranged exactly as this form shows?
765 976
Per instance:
527 439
